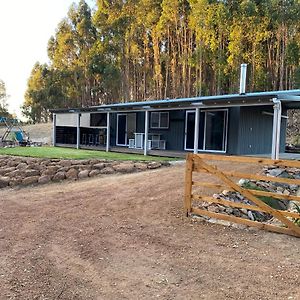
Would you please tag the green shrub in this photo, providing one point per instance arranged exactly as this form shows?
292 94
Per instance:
272 202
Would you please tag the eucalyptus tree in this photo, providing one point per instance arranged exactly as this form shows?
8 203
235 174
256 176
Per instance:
3 100
129 50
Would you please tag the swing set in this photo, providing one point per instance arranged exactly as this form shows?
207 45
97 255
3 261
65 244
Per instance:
13 133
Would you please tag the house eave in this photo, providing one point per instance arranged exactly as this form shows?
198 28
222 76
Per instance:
290 99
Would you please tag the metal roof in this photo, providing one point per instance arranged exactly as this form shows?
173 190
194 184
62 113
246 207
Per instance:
290 99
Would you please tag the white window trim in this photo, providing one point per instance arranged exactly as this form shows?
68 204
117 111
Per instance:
225 132
159 119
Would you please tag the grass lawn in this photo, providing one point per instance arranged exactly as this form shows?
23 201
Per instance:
69 153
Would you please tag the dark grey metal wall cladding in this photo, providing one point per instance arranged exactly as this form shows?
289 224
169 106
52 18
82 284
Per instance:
255 130
174 135
233 130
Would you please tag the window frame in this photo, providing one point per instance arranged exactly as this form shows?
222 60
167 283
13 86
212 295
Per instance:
225 130
159 120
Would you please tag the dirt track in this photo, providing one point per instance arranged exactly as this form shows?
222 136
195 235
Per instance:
124 237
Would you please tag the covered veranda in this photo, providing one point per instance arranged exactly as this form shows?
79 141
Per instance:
277 101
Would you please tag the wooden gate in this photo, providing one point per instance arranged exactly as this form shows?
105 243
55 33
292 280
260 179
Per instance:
202 163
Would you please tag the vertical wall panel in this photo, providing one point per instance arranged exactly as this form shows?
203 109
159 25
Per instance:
233 130
255 130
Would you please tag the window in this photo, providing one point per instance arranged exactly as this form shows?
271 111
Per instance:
215 133
98 120
160 120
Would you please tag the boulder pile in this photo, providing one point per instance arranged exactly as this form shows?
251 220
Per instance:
274 187
23 171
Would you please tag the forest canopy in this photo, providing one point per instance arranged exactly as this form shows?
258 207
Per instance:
134 50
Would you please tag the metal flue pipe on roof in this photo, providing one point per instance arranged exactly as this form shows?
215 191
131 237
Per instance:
243 79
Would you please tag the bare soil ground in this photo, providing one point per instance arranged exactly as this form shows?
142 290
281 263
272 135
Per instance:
125 237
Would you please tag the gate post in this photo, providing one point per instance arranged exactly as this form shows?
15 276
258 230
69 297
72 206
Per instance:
188 184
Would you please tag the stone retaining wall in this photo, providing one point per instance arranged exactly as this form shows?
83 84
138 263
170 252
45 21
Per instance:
23 171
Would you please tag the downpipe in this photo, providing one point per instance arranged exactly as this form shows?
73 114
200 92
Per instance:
276 128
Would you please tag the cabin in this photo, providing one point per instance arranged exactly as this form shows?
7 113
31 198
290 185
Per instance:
236 124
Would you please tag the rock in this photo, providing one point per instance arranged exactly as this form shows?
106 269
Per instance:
84 161
250 215
225 192
107 170
243 182
279 189
293 187
286 175
35 166
293 206
63 169
51 170
21 166
240 197
30 180
13 163
59 176
229 210
237 212
30 173
124 167
154 165
141 166
79 167
94 161
15 181
15 173
99 166
72 174
30 160
45 163
44 179
94 173
6 170
213 208
65 163
4 181
276 172
244 211
83 174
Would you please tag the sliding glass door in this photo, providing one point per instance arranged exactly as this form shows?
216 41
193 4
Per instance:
126 127
212 130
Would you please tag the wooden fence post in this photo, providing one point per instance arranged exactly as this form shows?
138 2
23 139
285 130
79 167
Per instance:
188 184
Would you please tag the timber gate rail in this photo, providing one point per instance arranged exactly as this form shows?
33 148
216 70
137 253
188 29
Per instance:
202 163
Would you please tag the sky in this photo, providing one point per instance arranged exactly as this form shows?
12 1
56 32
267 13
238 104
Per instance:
25 28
